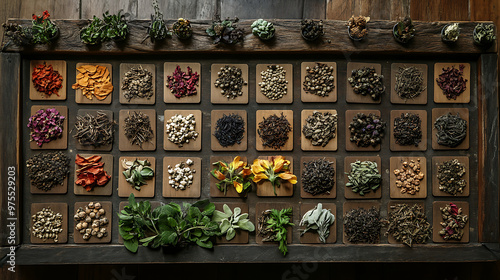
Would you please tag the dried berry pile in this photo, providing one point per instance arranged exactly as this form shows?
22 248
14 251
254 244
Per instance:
93 80
183 84
94 131
318 176
274 131
452 82
90 172
274 83
407 129
453 223
450 177
229 130
366 81
137 128
46 80
320 128
366 130
91 221
45 126
230 81
311 29
137 83
319 80
409 176
47 170
451 130
363 226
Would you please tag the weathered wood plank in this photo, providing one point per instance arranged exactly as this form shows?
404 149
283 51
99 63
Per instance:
190 9
376 9
454 10
399 9
314 9
425 10
98 7
288 39
484 9
340 9
289 9
57 9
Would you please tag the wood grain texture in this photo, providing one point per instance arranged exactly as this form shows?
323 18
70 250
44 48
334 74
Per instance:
312 237
124 143
422 146
421 98
215 145
97 190
437 219
306 144
425 10
437 161
263 9
455 10
288 39
194 190
188 9
125 188
333 192
60 143
108 208
97 8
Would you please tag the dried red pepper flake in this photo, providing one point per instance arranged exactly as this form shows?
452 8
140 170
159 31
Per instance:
452 82
90 172
46 79
183 83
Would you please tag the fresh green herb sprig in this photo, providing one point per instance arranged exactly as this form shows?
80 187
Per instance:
157 29
225 31
111 27
168 225
272 226
94 33
318 219
229 221
117 27
43 29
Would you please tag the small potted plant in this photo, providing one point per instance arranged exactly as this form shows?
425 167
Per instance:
404 30
94 33
484 34
311 30
157 29
116 26
450 33
225 31
18 34
182 29
356 27
263 29
44 30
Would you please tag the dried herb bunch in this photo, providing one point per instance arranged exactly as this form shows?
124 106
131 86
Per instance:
364 177
183 84
311 30
319 80
408 224
137 83
404 30
409 82
357 27
94 131
47 170
366 130
272 226
453 223
363 226
366 81
408 177
318 219
318 176
450 32
450 177
452 82
137 127
18 34
46 80
225 31
484 33
157 29
274 131
45 126
47 224
230 81
229 130
274 83
407 129
451 130
320 128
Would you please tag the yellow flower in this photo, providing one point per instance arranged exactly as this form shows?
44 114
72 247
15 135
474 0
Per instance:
278 163
237 163
288 177
257 167
260 176
265 164
246 172
219 175
238 186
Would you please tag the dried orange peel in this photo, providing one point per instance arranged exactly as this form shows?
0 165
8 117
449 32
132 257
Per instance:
93 80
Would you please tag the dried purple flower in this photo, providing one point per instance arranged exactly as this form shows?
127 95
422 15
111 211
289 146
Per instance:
452 82
45 126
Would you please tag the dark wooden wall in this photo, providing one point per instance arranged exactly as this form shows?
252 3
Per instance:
433 10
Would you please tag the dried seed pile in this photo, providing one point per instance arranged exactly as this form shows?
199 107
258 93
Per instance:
137 128
407 129
230 81
137 83
311 29
409 176
47 170
451 130
183 84
181 130
45 126
366 130
408 224
90 172
46 80
452 82
364 177
319 80
94 80
320 128
181 175
91 221
366 81
47 224
409 82
450 177
274 131
318 176
94 131
453 223
229 130
274 83
362 226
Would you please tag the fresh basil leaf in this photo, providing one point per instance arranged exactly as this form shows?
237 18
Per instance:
131 245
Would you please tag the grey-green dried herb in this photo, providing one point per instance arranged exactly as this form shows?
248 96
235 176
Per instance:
318 219
137 83
137 172
450 177
409 82
366 81
451 32
408 224
320 128
230 221
454 222
47 170
484 33
364 177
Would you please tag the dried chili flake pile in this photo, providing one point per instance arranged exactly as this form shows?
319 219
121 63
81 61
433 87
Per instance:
452 82
46 79
90 172
94 80
182 83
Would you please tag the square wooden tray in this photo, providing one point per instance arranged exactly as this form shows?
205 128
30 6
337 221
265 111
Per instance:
108 208
60 143
308 97
390 237
306 144
437 219
108 147
439 97
464 114
436 161
124 143
287 98
351 146
422 146
348 206
352 97
61 208
81 99
169 68
125 189
214 117
348 193
312 237
259 117
124 68
265 188
97 190
333 191
263 206
193 145
57 65
231 191
241 236
216 97
397 163
193 191
421 98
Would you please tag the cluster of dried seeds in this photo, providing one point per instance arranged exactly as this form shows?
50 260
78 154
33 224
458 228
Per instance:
450 175
409 176
180 130
319 80
47 170
91 221
181 175
47 224
94 80
454 222
137 83
230 81
46 79
274 83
